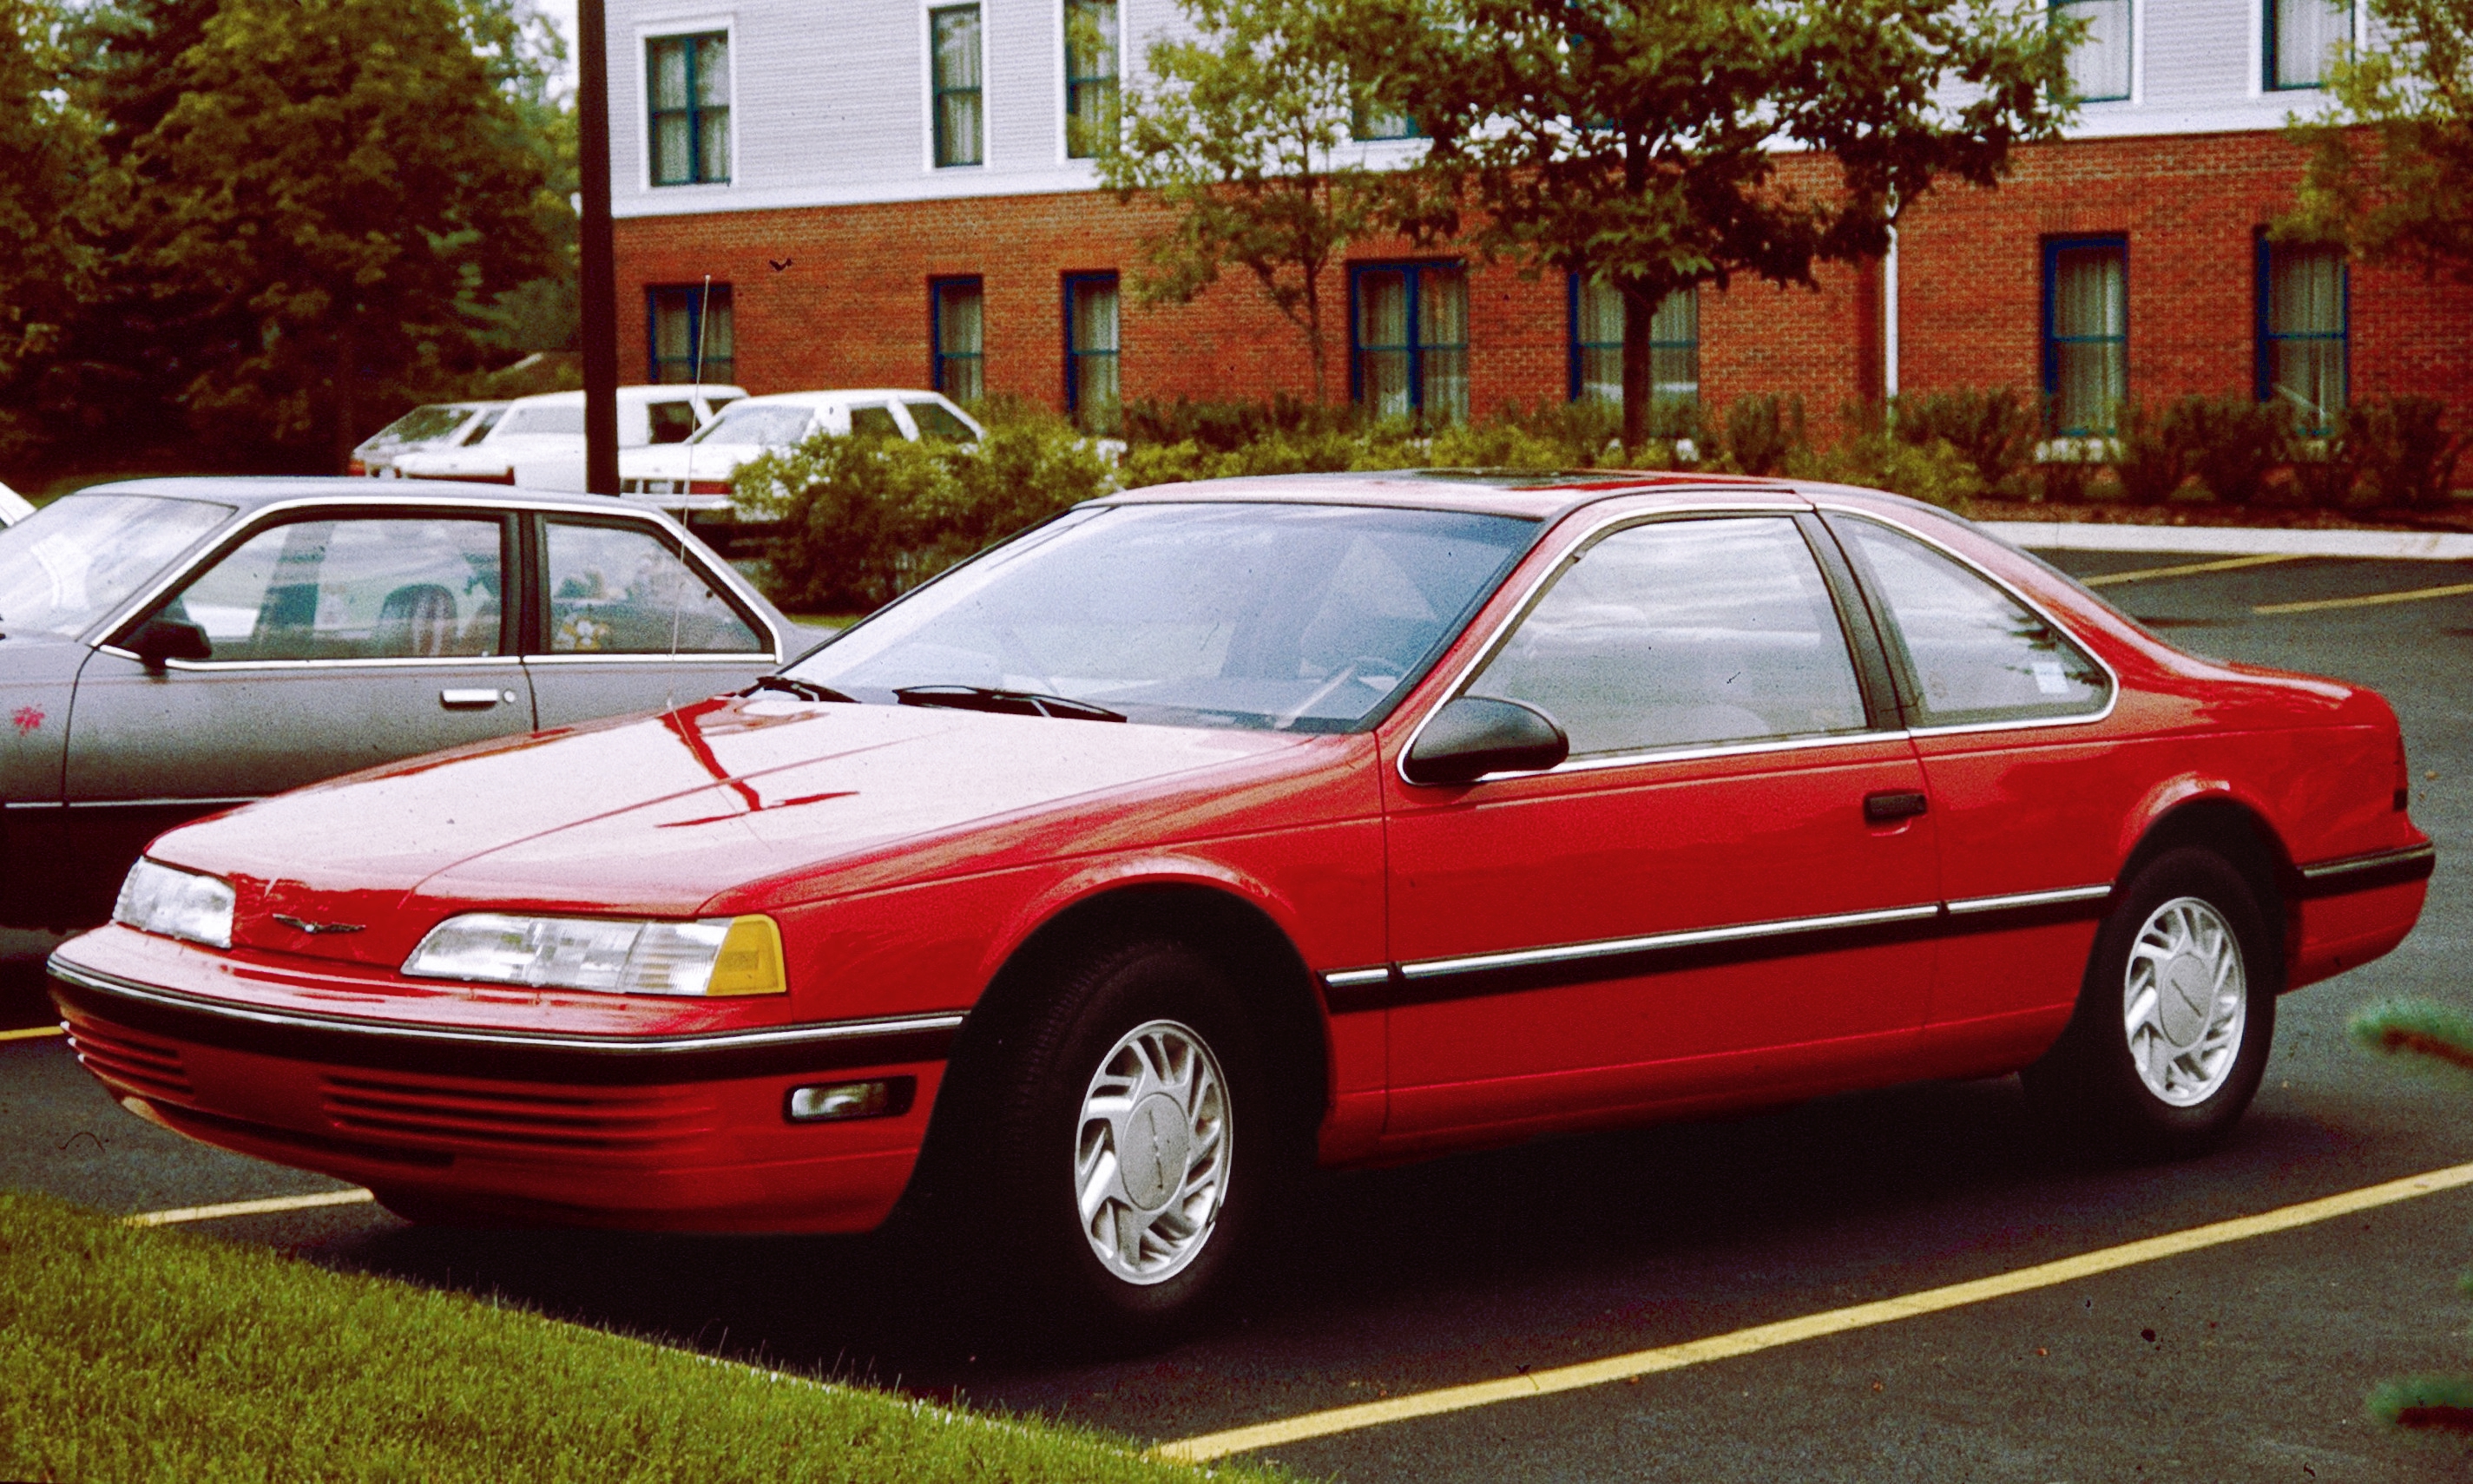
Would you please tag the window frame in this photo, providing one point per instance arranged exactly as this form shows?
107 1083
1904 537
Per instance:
937 354
937 91
2137 20
2268 337
535 626
1069 283
2270 47
698 375
1576 347
691 31
1413 288
1111 80
2049 342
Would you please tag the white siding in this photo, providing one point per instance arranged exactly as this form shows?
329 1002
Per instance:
830 96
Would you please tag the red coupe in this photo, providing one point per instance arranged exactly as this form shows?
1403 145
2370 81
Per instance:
1213 829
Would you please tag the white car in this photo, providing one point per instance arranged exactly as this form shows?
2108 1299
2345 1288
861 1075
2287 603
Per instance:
538 442
437 425
13 507
694 477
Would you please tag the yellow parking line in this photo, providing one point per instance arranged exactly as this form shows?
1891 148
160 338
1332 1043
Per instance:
2413 595
280 1203
2190 569
1811 1326
32 1033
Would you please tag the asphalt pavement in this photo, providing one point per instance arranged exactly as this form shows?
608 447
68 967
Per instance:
2244 1360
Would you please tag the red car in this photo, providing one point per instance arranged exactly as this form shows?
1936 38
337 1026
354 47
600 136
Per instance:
1213 829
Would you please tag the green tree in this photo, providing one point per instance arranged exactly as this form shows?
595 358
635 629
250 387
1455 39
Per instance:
1243 133
2391 169
47 158
357 182
1650 144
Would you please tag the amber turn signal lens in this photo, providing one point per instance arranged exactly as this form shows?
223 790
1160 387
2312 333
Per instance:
749 960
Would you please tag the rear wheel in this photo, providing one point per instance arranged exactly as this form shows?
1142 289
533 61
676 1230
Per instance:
1133 1137
2173 1023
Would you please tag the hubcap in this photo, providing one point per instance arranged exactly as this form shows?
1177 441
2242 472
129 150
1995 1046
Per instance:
2183 1001
1150 1162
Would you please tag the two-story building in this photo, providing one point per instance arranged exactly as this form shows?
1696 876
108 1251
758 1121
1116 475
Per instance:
903 195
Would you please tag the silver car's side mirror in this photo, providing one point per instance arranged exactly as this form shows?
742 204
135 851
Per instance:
160 639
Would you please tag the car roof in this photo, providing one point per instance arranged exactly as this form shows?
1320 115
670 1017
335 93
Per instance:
1531 494
828 397
254 492
639 391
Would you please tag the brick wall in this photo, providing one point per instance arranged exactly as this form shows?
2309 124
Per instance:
850 308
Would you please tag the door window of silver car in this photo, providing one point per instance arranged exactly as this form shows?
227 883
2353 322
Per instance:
874 420
1973 653
671 422
74 560
621 590
388 588
1684 633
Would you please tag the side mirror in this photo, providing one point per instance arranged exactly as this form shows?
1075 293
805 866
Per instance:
161 638
1475 735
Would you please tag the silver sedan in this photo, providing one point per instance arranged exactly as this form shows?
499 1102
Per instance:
172 647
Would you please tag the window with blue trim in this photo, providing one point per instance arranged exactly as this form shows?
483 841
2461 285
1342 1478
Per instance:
2099 64
954 78
1089 76
956 337
2304 331
1090 350
2301 37
691 333
1407 333
1597 336
2086 333
687 80
1369 121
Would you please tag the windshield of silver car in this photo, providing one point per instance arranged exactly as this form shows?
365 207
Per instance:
1290 617
71 563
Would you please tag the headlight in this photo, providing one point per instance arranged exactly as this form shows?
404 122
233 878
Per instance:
714 956
157 898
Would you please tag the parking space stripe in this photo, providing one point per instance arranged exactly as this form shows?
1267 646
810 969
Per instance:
34 1032
269 1205
2192 568
1810 1327
2373 600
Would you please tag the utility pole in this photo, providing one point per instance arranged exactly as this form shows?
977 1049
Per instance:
598 268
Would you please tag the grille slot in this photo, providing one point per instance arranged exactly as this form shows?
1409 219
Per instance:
622 1121
125 1058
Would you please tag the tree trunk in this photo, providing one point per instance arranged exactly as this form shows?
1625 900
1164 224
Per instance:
346 412
1637 383
1315 350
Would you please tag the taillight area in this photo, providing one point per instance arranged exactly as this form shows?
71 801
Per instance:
707 487
357 469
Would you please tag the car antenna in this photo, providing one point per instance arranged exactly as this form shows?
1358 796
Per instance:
679 589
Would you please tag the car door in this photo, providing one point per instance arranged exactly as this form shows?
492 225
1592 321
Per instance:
339 639
632 620
2029 799
1725 888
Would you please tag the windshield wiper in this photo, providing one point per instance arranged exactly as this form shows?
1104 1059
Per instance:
1009 702
805 690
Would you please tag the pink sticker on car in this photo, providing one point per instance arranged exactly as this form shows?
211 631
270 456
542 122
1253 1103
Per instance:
26 719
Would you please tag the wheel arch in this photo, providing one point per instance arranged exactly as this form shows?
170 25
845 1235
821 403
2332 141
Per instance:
2243 837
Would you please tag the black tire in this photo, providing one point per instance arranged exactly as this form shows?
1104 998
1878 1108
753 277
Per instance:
2090 1090
1056 1281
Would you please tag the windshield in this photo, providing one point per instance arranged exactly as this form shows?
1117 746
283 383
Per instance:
1291 617
769 426
542 420
422 425
68 563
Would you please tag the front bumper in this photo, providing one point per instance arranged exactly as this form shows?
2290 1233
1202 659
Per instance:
671 1133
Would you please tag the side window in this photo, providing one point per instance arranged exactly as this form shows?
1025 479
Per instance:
622 591
1973 653
937 420
352 589
874 420
1684 633
672 422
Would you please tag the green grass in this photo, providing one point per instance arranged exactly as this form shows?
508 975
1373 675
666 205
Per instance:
148 1354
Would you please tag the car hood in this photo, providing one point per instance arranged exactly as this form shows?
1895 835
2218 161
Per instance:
736 803
682 461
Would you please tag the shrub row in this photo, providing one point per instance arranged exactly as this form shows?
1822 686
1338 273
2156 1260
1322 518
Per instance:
860 520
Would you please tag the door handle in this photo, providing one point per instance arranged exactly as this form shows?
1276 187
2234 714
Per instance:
472 700
1891 806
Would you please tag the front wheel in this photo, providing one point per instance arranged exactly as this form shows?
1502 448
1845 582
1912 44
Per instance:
1133 1140
2175 1020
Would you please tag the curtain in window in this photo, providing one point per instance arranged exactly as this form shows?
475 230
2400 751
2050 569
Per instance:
1095 355
958 345
1601 333
2306 331
1442 326
2089 337
1090 75
712 107
673 154
955 33
1674 347
2307 34
2099 64
1382 341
